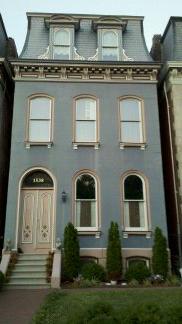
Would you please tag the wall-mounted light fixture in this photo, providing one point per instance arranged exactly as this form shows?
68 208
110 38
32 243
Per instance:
64 196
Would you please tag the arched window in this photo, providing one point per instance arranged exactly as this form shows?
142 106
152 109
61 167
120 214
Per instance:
40 119
61 47
86 120
135 205
131 121
137 260
86 202
110 45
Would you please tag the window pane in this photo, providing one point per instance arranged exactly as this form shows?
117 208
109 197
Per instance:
86 214
133 188
134 214
62 37
130 132
136 262
110 54
130 110
85 131
110 39
40 108
85 187
61 52
39 131
85 109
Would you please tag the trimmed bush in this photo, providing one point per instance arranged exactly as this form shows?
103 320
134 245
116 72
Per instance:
94 271
160 254
2 280
137 271
71 252
114 260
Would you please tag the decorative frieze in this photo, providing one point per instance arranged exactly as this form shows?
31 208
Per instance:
85 72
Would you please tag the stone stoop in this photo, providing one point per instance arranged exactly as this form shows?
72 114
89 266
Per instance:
29 272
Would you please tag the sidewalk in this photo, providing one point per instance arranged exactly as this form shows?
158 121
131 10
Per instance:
17 306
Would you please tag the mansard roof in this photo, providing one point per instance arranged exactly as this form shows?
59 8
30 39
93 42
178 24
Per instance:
86 38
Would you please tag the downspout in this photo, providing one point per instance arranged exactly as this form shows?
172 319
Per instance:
174 178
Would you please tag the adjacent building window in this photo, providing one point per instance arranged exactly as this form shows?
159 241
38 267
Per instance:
131 121
61 44
86 120
135 205
86 202
110 50
40 120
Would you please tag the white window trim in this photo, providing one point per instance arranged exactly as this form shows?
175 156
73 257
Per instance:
56 29
144 200
91 228
28 142
96 143
137 258
142 142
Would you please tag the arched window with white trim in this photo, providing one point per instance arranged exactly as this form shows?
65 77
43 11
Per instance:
135 203
40 119
131 121
86 202
110 48
86 120
61 44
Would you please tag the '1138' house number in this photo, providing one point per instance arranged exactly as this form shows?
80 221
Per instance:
38 180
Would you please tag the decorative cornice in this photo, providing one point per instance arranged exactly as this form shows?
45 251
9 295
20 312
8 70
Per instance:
171 73
45 56
85 72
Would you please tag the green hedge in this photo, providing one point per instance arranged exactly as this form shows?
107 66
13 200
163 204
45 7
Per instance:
138 271
93 271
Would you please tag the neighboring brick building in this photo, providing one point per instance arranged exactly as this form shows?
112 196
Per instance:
7 50
168 48
86 128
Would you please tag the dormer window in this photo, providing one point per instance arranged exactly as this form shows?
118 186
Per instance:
110 50
61 44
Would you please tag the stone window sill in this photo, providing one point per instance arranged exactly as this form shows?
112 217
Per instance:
147 234
76 145
29 144
122 145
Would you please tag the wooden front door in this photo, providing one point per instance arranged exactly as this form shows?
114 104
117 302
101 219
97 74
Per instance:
35 233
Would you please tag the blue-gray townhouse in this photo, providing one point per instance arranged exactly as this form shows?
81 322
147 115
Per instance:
85 137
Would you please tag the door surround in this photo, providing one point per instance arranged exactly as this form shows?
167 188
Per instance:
38 168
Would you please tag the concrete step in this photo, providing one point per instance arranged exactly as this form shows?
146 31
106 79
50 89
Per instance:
27 274
32 257
27 280
30 268
31 263
28 286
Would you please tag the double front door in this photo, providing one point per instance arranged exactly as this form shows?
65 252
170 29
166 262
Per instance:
36 210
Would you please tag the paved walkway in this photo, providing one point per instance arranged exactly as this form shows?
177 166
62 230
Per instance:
17 306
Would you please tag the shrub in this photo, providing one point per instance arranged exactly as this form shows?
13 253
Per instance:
114 260
160 254
71 252
2 280
173 281
137 271
94 271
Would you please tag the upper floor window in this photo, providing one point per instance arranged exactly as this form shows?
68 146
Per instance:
86 202
131 121
135 204
85 130
40 120
61 44
110 50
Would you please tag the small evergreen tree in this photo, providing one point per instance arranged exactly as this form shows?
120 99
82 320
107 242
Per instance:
114 259
71 252
160 254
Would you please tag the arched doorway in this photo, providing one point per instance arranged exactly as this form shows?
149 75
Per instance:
36 212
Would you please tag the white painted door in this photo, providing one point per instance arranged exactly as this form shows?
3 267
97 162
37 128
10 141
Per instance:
36 220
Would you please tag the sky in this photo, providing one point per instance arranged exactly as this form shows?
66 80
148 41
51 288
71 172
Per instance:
156 13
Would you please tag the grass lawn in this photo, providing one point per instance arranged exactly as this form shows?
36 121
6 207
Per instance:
160 305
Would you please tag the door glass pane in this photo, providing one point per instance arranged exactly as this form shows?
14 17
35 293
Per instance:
110 54
130 110
40 108
61 52
133 187
110 39
85 131
39 131
62 37
130 132
85 187
86 214
85 109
